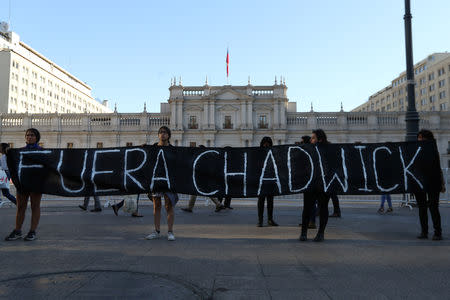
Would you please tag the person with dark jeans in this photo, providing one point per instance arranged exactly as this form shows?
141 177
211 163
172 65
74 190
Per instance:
336 208
309 211
429 200
270 221
266 142
97 204
318 137
227 202
8 195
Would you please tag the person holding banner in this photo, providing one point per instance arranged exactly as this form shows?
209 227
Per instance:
4 167
318 137
429 200
266 142
32 138
170 198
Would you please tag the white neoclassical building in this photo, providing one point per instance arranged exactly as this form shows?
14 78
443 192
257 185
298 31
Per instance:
30 82
219 116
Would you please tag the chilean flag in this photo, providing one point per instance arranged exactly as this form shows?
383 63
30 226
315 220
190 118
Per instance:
228 62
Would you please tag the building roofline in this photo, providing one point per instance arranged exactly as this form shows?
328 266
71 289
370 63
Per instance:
53 64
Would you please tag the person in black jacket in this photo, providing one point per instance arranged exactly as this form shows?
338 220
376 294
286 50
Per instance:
266 142
318 137
432 202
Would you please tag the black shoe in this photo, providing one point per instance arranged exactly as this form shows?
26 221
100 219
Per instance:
82 207
272 223
259 224
136 215
186 209
14 235
423 236
335 215
229 207
115 209
319 237
437 237
96 210
31 236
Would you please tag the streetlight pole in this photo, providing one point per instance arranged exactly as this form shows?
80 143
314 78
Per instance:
412 117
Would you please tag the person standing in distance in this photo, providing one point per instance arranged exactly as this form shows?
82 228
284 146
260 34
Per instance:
430 200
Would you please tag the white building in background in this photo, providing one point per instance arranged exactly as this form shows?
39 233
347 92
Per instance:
30 82
219 116
432 89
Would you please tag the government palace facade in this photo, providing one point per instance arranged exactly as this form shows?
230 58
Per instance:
219 116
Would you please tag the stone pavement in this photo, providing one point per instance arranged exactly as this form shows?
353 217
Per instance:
224 256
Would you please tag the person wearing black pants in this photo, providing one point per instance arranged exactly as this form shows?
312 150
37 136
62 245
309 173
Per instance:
433 204
266 142
318 137
270 221
433 199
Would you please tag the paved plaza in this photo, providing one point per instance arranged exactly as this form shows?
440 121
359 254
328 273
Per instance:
224 256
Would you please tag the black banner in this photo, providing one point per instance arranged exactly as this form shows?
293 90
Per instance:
238 172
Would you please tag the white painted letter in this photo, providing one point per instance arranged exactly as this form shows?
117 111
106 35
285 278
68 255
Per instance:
365 189
58 169
22 166
276 178
94 171
166 178
226 174
405 169
375 169
290 169
126 172
193 173
335 176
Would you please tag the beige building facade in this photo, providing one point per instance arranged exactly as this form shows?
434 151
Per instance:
432 89
219 116
30 82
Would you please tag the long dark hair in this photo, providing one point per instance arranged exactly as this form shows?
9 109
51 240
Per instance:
321 136
266 139
426 135
36 133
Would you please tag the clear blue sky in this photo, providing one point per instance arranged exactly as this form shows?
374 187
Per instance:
329 51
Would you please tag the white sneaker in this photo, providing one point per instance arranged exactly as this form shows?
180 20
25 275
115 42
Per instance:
154 235
170 236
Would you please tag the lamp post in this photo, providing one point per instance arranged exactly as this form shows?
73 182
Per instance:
412 117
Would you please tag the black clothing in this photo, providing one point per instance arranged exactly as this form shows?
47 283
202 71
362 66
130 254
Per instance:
433 203
261 200
309 199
